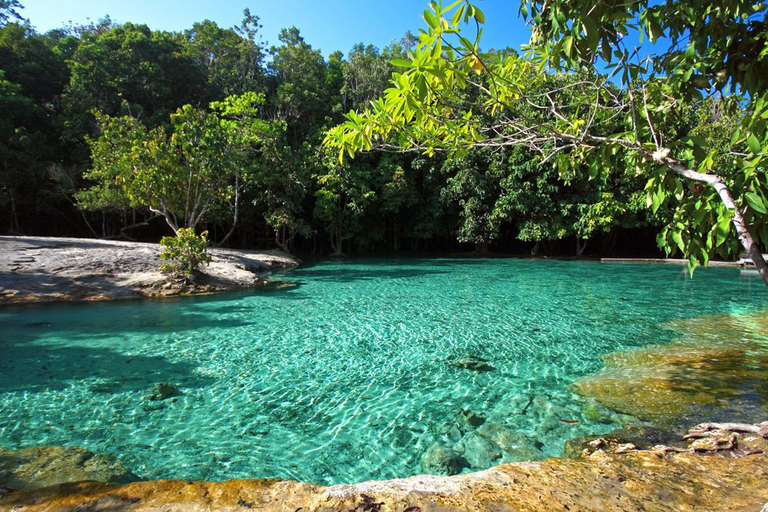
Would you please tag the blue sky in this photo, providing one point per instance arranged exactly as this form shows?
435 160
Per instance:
325 24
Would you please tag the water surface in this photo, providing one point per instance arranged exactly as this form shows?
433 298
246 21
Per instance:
347 375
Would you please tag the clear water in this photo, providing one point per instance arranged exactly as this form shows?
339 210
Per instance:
346 376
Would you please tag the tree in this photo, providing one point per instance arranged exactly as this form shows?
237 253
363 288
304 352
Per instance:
9 11
186 174
300 94
130 70
262 166
717 48
366 73
231 58
343 192
31 80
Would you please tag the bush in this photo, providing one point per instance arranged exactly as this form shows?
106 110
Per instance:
184 253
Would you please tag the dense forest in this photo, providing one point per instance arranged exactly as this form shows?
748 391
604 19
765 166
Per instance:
224 133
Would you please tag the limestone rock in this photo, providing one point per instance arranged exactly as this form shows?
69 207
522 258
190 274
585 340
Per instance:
440 460
42 269
639 480
471 419
475 363
519 446
38 467
163 391
479 452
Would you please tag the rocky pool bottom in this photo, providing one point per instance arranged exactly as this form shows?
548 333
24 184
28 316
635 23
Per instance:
643 465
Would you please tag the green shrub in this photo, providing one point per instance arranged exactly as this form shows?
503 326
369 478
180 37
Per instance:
184 253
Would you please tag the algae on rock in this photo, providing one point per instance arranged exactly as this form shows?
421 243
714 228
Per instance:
714 370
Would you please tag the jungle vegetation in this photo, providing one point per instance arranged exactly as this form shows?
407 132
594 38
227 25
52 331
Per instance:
572 147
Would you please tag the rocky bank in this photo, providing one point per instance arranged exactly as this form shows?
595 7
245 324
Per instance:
40 269
606 476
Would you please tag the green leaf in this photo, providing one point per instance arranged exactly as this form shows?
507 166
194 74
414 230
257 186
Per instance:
654 29
430 19
754 144
723 229
677 238
568 46
755 202
478 14
401 63
591 33
456 19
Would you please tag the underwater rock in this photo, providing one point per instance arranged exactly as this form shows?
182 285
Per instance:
475 363
479 452
162 391
38 467
714 369
451 432
595 412
470 418
440 460
519 446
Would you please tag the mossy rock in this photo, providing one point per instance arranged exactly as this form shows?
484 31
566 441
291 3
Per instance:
689 380
38 467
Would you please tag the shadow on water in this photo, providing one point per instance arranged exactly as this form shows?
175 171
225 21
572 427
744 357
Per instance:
121 319
27 368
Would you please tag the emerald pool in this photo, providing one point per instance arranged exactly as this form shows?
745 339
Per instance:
351 373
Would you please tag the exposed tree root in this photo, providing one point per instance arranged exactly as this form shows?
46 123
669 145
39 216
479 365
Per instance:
716 432
760 429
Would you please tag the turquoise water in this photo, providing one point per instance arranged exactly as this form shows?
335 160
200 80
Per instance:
349 374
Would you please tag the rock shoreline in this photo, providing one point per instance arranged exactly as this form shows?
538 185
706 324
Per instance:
608 477
44 269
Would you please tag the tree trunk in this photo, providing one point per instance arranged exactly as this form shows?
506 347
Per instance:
282 240
236 213
336 244
481 248
716 182
14 216
396 235
536 248
580 246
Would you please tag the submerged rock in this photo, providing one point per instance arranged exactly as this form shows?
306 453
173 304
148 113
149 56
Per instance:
38 467
479 452
440 460
595 412
690 380
163 390
471 419
475 363
519 446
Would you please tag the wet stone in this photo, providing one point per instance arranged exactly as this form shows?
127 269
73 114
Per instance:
479 452
470 418
474 363
441 460
38 467
163 391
